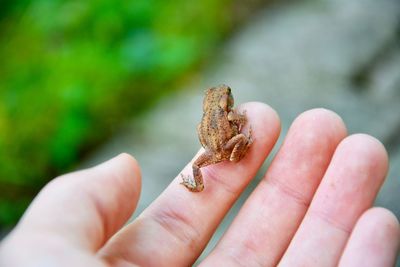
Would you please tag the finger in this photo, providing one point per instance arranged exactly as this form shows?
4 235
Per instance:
83 208
348 188
374 240
181 222
266 223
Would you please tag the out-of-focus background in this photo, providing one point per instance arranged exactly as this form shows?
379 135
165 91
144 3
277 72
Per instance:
73 72
81 81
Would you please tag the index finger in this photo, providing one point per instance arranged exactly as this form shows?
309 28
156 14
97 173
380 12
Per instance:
182 221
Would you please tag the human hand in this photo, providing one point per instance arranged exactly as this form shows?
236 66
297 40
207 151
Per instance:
312 208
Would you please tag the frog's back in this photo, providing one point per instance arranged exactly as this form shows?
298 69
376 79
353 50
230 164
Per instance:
215 130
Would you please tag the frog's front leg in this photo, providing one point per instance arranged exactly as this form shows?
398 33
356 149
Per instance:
237 118
238 145
195 183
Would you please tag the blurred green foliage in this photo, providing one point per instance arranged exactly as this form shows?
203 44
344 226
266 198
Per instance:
70 71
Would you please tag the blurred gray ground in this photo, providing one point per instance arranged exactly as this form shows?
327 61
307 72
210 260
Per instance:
342 55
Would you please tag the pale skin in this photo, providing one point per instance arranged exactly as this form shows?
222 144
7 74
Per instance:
313 207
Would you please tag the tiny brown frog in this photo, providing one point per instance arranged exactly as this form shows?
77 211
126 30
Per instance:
219 134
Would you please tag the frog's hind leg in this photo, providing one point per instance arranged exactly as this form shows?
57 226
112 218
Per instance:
238 145
195 183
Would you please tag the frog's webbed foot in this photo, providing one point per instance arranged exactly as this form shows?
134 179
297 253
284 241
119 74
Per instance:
190 183
195 183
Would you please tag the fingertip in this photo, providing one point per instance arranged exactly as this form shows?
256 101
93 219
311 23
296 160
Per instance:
374 240
382 218
123 170
366 149
317 132
131 166
361 140
322 112
130 161
373 143
321 119
260 108
263 118
122 161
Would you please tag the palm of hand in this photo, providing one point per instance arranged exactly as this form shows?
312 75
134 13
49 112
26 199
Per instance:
312 208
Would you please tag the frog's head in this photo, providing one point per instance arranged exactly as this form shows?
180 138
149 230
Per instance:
220 95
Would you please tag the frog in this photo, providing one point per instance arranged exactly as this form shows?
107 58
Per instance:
219 133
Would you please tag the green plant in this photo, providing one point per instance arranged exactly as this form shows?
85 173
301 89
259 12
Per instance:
71 71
